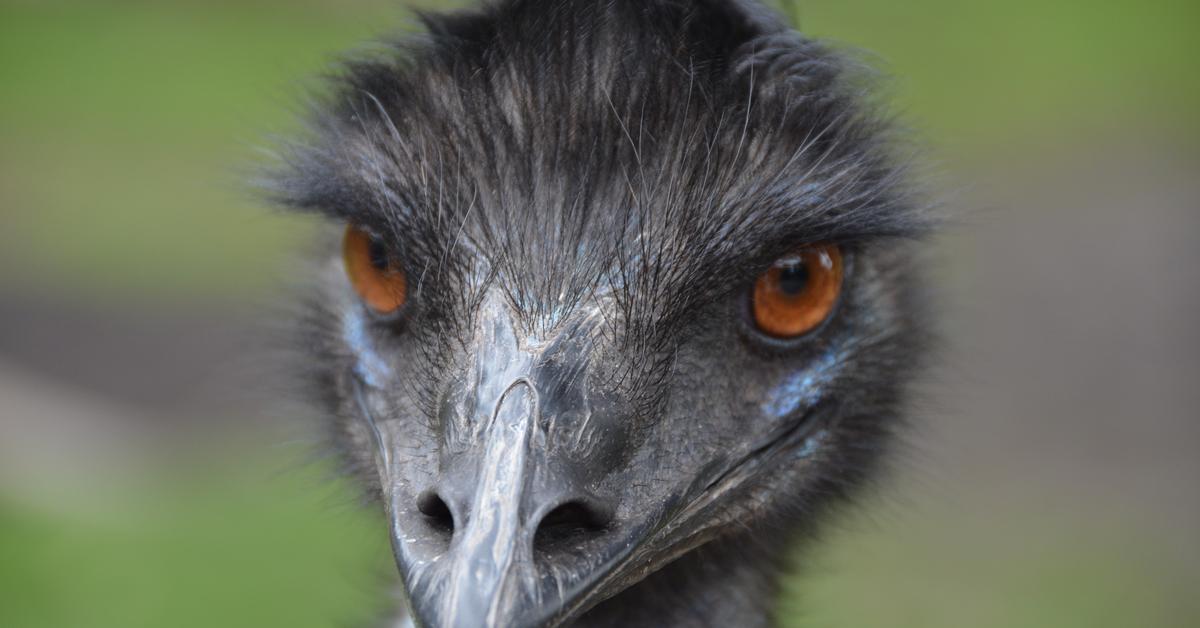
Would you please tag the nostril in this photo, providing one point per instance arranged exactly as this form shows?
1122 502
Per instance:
570 521
435 509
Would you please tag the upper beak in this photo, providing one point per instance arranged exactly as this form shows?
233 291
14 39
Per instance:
525 453
495 572
490 578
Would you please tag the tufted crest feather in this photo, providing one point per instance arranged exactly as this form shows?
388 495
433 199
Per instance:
660 150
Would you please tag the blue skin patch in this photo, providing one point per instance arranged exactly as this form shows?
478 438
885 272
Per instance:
368 366
800 389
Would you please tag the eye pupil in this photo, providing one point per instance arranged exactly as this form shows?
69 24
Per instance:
378 255
793 278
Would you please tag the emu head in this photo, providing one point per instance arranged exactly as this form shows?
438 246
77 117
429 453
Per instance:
620 279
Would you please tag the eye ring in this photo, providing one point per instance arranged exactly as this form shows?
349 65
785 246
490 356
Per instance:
373 272
798 293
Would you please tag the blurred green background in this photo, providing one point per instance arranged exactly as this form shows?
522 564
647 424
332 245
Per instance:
1052 479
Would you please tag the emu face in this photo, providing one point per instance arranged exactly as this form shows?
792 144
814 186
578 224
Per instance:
554 371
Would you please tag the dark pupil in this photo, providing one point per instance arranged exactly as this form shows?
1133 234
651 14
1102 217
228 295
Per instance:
793 278
379 255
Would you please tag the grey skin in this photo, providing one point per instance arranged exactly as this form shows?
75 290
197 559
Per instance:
573 420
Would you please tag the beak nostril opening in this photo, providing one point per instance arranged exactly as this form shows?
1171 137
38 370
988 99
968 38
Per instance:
430 504
571 521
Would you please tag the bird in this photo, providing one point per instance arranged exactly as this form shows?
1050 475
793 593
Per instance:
625 298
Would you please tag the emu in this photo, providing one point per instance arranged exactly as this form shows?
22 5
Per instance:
625 300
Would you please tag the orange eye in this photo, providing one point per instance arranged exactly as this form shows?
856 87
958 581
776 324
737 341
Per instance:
798 292
373 273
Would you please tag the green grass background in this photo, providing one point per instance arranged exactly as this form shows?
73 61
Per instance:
122 128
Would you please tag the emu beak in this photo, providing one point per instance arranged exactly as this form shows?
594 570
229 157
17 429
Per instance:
491 562
531 539
493 573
